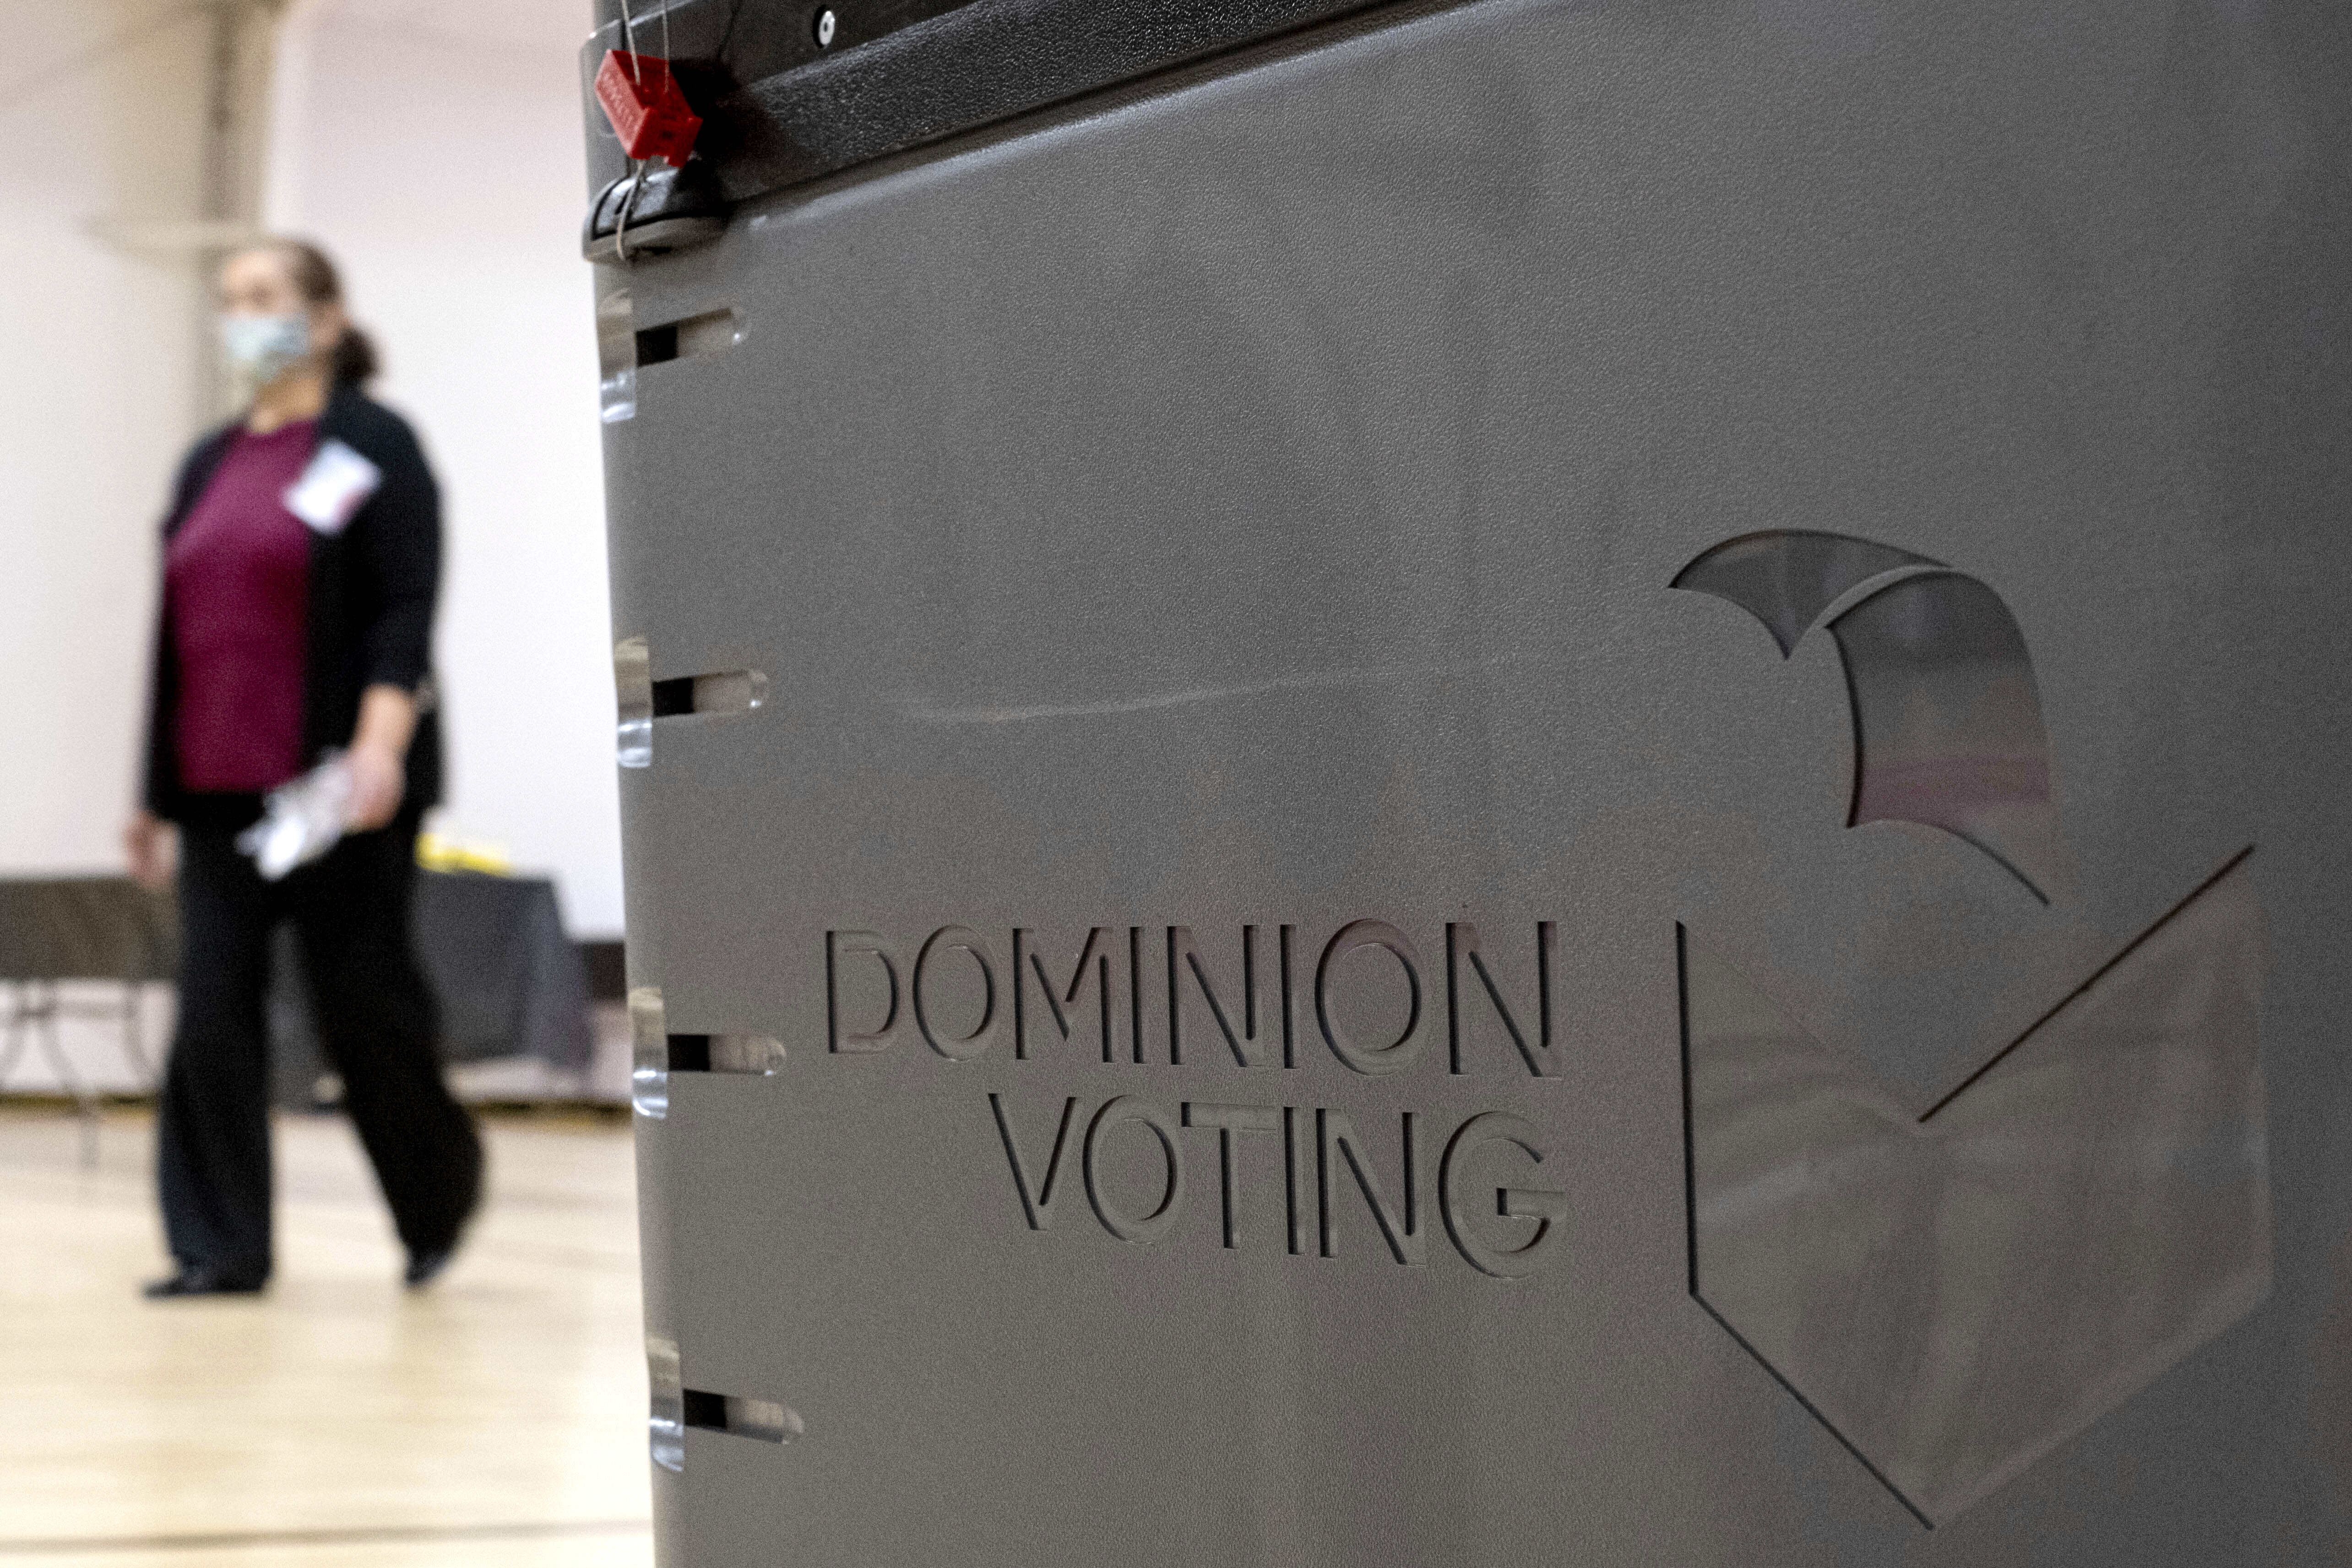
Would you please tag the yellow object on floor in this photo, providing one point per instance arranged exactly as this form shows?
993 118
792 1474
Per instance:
498 1418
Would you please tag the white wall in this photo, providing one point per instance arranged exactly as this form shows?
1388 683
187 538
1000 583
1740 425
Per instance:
97 396
433 146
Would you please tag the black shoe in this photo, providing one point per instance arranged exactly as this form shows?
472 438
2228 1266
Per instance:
198 1279
423 1267
426 1263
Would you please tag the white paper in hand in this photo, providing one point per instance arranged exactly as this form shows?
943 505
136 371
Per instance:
335 487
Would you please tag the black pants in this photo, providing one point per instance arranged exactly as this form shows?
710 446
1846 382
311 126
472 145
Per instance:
376 1021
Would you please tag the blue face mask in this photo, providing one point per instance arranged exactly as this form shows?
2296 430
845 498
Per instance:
257 349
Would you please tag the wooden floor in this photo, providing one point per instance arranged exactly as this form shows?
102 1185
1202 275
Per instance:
498 1419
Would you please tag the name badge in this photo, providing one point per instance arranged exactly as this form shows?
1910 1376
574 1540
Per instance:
332 488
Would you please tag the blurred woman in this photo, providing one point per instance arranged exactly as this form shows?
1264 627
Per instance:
301 556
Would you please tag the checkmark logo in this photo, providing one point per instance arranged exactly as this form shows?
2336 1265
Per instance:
1955 1293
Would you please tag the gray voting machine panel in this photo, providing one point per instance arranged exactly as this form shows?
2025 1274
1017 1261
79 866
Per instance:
1493 784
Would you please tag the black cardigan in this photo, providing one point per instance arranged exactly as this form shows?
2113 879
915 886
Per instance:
370 617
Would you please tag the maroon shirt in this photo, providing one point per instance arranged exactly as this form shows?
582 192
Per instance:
238 575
